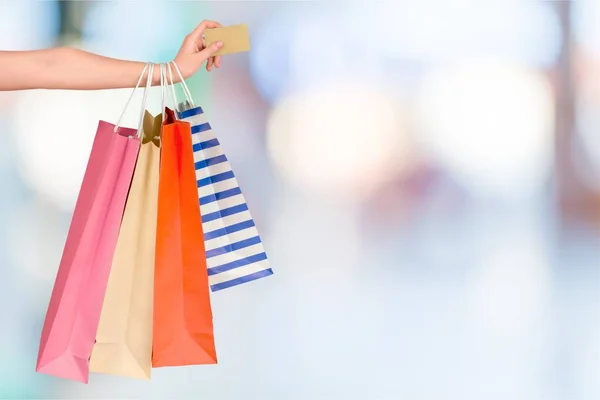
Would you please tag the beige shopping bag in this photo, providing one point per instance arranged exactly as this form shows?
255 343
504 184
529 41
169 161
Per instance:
124 337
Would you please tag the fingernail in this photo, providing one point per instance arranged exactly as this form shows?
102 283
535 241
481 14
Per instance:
219 44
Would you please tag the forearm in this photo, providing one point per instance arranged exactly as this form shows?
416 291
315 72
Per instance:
68 68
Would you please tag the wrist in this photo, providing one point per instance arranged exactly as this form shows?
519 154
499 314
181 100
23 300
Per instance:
184 67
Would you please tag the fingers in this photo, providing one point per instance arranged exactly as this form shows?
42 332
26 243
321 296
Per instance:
193 41
210 60
216 61
195 45
207 53
204 25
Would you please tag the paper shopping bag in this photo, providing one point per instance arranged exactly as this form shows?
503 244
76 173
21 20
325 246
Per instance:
234 251
70 326
183 326
124 338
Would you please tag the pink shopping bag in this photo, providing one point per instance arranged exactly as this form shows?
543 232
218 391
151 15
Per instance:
73 315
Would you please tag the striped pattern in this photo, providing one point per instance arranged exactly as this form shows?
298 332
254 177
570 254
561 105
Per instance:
234 251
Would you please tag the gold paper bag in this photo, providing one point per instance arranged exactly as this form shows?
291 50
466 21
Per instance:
124 337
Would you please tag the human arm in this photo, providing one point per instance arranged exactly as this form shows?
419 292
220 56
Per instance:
70 68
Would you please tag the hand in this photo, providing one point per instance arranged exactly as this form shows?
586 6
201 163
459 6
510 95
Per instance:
194 51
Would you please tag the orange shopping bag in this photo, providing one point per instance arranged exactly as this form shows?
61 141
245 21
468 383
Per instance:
183 326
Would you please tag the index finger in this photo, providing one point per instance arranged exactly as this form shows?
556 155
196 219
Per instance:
204 25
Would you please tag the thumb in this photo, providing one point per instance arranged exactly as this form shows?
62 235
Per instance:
210 50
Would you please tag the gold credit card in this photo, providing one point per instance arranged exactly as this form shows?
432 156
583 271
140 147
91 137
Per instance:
235 39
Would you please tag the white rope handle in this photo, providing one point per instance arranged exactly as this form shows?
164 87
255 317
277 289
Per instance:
166 93
146 90
173 93
162 89
186 90
165 89
118 124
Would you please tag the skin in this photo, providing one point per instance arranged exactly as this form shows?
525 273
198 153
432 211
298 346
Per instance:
69 68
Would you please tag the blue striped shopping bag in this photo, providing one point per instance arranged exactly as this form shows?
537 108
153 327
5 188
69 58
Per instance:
234 251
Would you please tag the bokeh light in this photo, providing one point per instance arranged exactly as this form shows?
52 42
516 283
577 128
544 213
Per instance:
490 123
108 22
320 43
586 30
511 284
53 148
587 360
311 48
440 31
337 140
36 221
586 144
270 57
28 25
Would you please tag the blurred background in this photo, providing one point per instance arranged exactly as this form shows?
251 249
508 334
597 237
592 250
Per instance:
425 177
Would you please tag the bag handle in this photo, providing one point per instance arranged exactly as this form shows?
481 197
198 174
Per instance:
137 85
163 88
146 90
186 90
173 92
166 93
